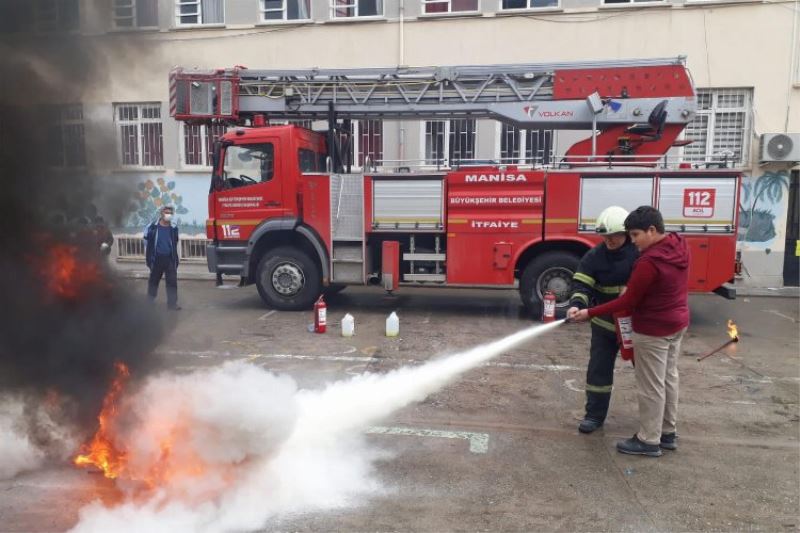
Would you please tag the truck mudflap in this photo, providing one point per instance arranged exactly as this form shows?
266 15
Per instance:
211 257
726 290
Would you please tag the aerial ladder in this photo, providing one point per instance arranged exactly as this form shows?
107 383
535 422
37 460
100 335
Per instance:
634 109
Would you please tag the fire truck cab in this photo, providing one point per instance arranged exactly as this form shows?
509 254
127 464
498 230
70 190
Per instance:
286 215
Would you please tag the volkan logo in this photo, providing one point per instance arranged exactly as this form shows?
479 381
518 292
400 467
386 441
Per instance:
530 110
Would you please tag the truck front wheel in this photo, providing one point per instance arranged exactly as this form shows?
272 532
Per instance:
551 271
288 280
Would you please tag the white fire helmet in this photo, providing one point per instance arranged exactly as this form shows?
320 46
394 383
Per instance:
611 220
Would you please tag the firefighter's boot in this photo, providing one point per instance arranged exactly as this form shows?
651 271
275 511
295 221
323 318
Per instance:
596 410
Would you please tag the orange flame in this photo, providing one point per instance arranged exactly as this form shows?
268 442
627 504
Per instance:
733 331
65 274
107 451
101 452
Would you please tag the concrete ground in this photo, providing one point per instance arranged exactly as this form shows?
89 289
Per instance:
524 466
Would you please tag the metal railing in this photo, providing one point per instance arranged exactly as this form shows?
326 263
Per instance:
718 161
131 248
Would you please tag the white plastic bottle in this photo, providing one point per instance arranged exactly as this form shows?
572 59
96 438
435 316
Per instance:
348 325
392 325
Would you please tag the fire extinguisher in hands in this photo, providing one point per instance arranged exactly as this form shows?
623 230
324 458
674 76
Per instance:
624 325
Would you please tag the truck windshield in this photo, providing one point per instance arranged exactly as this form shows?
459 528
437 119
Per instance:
249 163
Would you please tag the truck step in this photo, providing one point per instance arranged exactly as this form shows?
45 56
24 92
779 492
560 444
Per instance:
347 272
439 278
347 252
424 257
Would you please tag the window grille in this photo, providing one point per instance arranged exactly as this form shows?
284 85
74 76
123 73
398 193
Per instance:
66 144
722 127
525 146
140 133
198 143
449 141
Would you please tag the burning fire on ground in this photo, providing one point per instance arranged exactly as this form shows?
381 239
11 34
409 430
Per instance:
733 333
107 451
101 451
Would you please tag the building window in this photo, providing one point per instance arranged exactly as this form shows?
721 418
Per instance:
368 135
66 145
285 10
448 142
135 13
722 127
198 143
449 6
199 12
525 147
527 4
366 141
44 16
56 15
140 134
356 8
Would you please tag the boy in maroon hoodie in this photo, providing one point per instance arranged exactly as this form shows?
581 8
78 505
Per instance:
657 294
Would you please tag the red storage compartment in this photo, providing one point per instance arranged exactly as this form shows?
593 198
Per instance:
390 265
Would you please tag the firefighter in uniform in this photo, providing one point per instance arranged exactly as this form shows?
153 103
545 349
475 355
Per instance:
601 277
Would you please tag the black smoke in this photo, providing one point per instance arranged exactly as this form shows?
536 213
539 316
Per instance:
56 342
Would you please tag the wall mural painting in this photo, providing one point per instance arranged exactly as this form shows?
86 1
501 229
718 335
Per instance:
152 194
762 210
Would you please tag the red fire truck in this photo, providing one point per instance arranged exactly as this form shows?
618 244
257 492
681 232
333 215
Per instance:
288 213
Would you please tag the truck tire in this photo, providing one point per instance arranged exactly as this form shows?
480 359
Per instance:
288 280
549 271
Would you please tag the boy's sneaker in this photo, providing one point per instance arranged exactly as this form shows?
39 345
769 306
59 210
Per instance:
669 441
633 446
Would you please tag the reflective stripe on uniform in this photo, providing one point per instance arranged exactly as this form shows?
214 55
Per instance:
611 289
599 388
583 278
605 324
580 296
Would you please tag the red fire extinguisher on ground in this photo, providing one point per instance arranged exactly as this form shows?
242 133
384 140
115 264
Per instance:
624 324
549 307
320 315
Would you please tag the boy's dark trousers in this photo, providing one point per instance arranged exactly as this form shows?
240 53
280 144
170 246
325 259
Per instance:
164 265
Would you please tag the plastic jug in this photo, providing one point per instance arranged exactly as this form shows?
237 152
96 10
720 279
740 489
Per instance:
348 325
392 325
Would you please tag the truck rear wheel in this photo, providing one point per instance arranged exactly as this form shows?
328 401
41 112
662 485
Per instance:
550 271
288 280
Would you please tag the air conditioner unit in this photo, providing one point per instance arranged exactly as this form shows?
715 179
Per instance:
780 147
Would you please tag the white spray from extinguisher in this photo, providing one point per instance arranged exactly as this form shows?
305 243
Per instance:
301 447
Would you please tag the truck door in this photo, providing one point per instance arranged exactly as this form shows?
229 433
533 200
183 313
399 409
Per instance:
252 189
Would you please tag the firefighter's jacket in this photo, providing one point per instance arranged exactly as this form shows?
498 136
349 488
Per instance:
601 275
